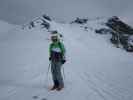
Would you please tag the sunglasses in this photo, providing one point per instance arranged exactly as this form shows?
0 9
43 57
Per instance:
54 39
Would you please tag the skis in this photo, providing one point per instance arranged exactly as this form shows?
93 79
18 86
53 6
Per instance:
57 89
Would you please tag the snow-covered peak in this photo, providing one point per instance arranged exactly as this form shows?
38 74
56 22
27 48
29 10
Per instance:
42 22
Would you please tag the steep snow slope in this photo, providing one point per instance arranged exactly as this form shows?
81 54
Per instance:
95 70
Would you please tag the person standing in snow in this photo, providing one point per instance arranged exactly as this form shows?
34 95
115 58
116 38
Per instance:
57 58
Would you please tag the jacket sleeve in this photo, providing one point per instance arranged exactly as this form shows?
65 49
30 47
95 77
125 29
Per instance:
63 49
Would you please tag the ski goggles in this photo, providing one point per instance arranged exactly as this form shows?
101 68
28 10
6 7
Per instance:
54 38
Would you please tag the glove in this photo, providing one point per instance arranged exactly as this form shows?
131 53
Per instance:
49 58
63 61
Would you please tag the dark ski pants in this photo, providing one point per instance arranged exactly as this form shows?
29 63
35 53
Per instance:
56 73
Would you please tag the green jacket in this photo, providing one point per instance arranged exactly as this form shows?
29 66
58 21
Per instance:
57 44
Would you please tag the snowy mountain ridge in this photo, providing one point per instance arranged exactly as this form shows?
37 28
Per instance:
102 25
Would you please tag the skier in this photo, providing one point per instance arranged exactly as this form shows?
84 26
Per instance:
57 58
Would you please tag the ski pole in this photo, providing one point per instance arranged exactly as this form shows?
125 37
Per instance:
63 73
46 78
48 68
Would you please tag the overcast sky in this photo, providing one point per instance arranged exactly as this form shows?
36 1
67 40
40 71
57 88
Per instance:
21 11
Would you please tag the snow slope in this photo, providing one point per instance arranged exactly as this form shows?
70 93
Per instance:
95 70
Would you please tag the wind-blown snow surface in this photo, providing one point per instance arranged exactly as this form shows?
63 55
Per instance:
95 70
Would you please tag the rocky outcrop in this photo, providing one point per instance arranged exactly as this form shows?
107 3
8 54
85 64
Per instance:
103 31
46 17
80 21
120 31
42 21
119 26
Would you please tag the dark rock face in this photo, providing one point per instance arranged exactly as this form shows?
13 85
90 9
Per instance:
80 21
45 24
42 21
119 26
47 17
103 31
31 25
121 33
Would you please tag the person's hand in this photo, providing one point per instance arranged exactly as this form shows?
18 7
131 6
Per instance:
63 61
49 58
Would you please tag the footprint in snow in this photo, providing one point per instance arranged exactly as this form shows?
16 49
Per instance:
36 97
